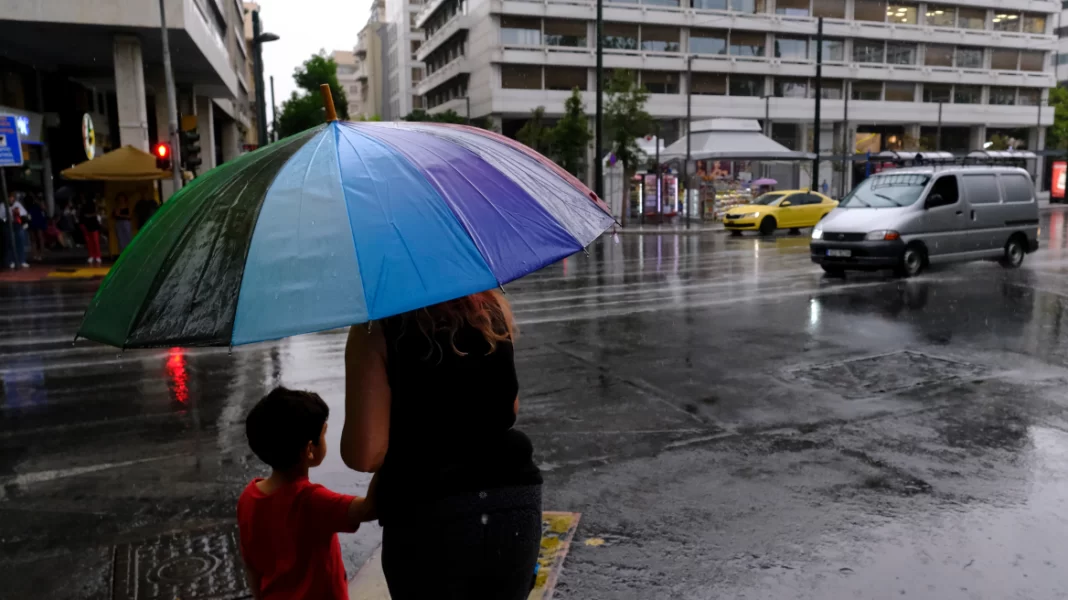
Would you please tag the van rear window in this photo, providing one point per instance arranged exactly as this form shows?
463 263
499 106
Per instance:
1016 188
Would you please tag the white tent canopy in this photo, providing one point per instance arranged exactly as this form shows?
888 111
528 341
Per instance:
730 139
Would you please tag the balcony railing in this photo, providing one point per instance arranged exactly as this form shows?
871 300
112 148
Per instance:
452 69
457 23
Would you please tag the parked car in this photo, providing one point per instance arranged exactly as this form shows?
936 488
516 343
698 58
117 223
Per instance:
788 209
906 219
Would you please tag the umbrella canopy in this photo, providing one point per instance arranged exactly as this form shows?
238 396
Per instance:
763 181
125 164
341 224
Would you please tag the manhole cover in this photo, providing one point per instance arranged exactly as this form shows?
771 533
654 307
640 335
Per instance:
201 563
885 373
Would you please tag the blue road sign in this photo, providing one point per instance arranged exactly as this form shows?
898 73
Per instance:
10 145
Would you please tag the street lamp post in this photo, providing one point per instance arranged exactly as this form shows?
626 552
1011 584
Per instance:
274 114
938 132
765 167
467 99
813 183
847 148
598 143
259 38
172 103
689 123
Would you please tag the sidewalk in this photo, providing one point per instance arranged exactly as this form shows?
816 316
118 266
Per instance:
38 272
669 228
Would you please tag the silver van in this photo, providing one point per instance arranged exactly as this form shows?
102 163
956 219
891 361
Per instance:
905 219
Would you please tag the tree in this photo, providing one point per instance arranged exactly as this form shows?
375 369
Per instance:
304 108
626 120
1057 136
534 133
421 116
571 136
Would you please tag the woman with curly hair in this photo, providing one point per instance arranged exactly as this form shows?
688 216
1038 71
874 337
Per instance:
431 397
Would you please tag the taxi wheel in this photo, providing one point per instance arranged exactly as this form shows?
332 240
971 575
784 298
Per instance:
768 226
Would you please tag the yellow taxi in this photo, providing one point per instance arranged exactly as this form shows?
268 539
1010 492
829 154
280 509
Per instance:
786 209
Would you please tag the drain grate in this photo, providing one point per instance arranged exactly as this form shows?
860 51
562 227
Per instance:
884 373
201 563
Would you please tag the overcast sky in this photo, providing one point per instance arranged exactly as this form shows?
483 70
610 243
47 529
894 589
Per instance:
305 27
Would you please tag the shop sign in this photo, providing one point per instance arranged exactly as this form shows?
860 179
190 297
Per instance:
10 144
1060 169
88 136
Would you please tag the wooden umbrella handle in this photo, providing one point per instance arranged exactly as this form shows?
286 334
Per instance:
328 102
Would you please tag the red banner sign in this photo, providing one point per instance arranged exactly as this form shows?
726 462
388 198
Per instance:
1060 169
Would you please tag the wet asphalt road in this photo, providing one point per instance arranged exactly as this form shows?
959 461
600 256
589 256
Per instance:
729 423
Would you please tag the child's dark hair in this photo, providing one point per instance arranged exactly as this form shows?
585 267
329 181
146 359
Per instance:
282 423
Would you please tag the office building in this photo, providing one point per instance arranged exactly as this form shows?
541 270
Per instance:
370 71
403 72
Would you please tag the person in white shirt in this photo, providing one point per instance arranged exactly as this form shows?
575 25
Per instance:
14 232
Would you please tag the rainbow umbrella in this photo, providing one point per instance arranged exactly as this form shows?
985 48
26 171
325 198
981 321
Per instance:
338 225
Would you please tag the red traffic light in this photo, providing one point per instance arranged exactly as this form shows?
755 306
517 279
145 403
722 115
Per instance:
162 150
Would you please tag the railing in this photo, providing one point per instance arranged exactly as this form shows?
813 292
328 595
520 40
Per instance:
445 32
447 71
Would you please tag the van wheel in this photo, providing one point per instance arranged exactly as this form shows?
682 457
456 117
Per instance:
768 226
1014 253
912 261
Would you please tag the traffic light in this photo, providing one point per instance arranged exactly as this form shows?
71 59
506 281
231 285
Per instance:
163 157
190 150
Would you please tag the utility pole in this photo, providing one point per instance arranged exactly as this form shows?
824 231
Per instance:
172 101
274 114
847 148
261 106
598 143
938 133
689 127
814 183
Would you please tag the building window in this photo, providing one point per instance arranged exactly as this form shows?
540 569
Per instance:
660 39
865 51
967 94
1004 60
565 33
565 78
971 18
620 36
747 6
1006 22
671 3
1033 23
707 41
900 92
746 85
869 10
938 56
520 31
830 9
1032 61
793 8
520 77
795 48
1004 96
709 84
867 90
936 92
941 16
710 4
833 50
1030 97
788 87
900 54
830 90
969 58
747 44
660 82
902 13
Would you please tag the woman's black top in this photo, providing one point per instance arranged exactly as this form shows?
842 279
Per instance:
89 218
451 420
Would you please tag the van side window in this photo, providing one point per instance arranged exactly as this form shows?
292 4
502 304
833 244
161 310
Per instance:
945 188
1016 188
982 189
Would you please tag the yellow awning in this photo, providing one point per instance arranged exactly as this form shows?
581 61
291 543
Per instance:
125 164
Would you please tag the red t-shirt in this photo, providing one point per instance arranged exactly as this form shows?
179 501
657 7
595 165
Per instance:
289 538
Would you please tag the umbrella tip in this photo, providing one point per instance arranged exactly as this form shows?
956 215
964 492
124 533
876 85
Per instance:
328 103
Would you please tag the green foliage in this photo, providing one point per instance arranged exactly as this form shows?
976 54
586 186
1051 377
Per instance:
304 108
1000 142
625 119
534 133
1057 135
571 136
448 116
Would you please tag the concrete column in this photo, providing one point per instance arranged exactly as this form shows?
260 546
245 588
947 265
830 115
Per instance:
206 129
804 175
1036 140
130 92
976 137
912 136
231 140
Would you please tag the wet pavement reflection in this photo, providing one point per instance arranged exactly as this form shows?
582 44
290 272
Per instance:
729 422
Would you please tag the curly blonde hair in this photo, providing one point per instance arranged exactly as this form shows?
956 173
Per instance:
488 312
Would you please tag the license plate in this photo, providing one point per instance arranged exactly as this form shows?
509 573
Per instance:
841 253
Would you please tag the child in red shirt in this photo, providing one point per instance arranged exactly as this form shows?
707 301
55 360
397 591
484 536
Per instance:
289 525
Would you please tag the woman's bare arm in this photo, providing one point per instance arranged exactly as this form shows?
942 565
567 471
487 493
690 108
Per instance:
365 437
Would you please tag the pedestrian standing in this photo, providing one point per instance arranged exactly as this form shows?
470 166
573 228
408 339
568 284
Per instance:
19 222
89 219
431 397
123 228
